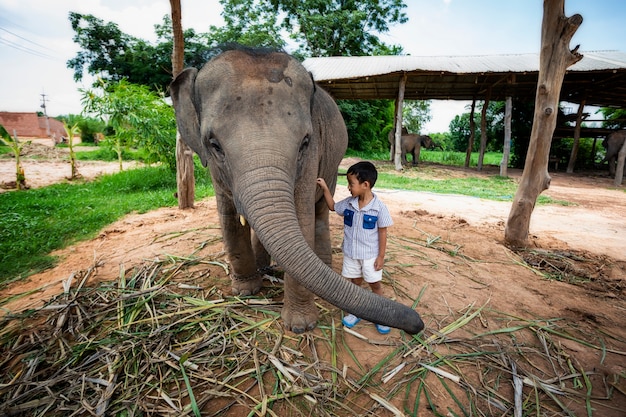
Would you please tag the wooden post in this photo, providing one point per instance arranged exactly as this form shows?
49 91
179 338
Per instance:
398 138
185 179
556 33
619 170
483 130
504 163
470 144
575 145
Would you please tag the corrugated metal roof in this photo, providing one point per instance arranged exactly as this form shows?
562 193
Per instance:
599 78
333 68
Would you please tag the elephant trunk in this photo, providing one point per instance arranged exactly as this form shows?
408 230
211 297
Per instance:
271 213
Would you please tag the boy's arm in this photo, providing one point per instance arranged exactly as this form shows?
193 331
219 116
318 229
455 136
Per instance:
330 202
382 248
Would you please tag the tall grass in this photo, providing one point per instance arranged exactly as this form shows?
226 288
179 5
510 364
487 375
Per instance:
36 222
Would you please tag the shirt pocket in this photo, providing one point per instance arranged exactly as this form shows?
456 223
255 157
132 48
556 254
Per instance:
348 217
369 222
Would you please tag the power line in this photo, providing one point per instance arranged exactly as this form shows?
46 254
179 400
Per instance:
21 37
20 47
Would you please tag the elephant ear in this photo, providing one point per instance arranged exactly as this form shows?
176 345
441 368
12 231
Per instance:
183 96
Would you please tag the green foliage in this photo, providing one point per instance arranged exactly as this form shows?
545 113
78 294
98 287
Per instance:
72 131
585 159
112 55
415 114
139 117
16 147
521 125
249 23
614 118
105 152
87 126
442 139
337 28
38 221
367 122
460 132
494 128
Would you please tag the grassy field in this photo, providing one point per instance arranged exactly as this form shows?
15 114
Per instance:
38 221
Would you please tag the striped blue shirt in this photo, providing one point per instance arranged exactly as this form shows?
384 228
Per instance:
360 226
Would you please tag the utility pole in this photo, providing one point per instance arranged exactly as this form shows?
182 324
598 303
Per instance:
45 113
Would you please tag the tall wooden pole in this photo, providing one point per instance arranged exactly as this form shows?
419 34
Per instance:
575 145
556 33
398 138
504 163
483 131
619 170
470 142
185 179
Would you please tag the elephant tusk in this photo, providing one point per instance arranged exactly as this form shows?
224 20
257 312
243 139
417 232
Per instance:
242 220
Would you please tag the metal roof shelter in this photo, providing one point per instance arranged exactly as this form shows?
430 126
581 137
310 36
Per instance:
599 78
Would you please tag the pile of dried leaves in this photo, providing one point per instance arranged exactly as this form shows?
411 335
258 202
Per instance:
156 343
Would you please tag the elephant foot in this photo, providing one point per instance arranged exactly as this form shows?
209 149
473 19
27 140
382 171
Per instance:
246 285
300 319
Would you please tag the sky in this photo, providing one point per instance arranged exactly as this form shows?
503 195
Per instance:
36 39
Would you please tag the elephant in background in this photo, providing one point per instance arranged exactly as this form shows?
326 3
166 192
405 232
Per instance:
267 132
612 144
411 143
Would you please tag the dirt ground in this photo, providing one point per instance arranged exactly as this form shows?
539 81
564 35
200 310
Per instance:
449 247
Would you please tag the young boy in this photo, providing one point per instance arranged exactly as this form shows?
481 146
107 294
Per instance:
365 220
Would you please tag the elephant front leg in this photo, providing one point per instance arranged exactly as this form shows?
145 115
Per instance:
245 277
299 312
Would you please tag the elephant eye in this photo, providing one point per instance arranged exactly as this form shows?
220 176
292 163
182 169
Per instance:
215 146
303 146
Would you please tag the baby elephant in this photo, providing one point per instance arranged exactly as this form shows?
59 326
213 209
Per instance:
411 143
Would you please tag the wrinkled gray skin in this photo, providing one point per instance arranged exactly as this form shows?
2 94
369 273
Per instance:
613 143
411 143
266 131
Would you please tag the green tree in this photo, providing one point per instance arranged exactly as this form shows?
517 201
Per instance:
338 27
613 118
415 114
138 116
113 55
460 132
250 23
72 131
366 122
16 146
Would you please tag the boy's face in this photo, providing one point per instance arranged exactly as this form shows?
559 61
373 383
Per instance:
356 188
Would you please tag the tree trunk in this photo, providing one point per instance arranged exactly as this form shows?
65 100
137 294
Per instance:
556 33
185 180
470 144
504 163
575 145
398 138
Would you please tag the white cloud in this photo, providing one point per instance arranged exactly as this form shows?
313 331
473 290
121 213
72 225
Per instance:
435 28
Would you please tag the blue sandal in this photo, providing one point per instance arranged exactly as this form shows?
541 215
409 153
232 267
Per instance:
350 321
382 329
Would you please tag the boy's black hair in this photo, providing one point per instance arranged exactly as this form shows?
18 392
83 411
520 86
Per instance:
364 171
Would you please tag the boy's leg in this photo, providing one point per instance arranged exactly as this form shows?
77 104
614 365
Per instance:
374 279
377 287
351 270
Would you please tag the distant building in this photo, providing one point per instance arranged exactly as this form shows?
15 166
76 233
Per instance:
31 126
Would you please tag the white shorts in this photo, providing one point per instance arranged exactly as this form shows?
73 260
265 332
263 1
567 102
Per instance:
357 268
